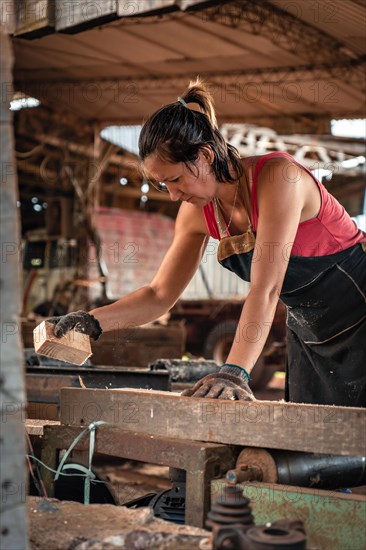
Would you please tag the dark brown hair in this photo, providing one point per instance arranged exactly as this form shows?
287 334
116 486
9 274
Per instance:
177 133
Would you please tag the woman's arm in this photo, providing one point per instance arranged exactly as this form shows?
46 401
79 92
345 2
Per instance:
281 199
176 270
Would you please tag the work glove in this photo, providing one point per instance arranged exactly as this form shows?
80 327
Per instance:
79 320
231 382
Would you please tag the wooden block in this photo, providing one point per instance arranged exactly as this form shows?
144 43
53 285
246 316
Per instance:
268 424
74 347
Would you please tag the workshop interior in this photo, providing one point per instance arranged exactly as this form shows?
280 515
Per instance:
99 447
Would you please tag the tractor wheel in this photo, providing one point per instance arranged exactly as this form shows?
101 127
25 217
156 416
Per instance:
217 347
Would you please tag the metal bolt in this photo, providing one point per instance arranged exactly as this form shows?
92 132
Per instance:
244 473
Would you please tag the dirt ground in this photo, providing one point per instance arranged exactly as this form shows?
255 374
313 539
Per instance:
56 525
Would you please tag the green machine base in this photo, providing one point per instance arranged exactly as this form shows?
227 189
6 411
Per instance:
333 520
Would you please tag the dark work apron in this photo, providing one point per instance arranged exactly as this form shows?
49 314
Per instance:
326 321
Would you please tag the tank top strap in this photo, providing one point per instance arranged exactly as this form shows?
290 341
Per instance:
209 214
258 167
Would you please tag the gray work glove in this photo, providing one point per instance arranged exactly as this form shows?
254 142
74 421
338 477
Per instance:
229 383
79 320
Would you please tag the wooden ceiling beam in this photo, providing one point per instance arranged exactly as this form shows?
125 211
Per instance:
352 70
126 160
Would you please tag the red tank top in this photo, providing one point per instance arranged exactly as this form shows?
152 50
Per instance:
331 231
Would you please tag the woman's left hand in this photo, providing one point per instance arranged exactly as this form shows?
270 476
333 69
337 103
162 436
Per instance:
221 385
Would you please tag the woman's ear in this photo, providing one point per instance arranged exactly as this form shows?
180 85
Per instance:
207 153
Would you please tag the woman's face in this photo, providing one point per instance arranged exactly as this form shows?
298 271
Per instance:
197 187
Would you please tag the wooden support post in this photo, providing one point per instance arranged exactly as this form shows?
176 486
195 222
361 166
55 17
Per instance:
49 457
13 475
203 468
268 424
80 457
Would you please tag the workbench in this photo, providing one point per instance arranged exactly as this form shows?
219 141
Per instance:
204 436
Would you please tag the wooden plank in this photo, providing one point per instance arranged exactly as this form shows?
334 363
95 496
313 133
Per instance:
36 426
269 424
34 18
126 8
43 411
73 17
74 347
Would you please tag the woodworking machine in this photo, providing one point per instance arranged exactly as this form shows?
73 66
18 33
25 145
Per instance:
293 461
46 376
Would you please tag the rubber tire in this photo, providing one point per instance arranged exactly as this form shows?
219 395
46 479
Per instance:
219 340
217 347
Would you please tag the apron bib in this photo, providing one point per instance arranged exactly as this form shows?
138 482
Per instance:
326 320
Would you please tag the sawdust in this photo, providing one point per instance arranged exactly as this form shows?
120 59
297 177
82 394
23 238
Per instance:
56 525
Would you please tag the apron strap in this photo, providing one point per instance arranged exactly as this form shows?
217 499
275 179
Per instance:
220 222
245 194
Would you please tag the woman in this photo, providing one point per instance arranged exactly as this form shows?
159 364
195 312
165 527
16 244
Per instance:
277 228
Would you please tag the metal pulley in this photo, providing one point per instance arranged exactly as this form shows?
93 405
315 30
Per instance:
231 507
232 524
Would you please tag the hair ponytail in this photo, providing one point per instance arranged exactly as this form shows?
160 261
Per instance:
177 132
197 92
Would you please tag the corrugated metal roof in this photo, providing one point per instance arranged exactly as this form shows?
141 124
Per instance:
262 60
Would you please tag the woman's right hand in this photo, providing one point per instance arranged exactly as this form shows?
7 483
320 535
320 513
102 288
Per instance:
79 320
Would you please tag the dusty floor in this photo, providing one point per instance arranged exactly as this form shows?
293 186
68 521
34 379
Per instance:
56 525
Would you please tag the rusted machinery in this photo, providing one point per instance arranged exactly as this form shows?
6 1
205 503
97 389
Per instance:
231 518
300 469
232 524
215 441
269 466
45 377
